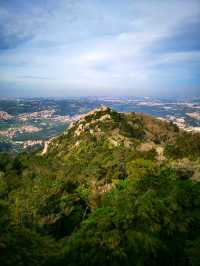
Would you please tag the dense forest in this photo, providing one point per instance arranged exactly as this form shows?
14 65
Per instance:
113 189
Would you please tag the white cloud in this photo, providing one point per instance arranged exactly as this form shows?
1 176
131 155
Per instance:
70 52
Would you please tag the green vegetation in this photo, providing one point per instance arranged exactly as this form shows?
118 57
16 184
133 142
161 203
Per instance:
109 191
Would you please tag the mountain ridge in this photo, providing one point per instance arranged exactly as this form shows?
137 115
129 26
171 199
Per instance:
128 129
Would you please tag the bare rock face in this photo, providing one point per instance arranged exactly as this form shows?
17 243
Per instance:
103 109
5 116
89 122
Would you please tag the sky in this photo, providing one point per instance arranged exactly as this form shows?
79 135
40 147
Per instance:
99 48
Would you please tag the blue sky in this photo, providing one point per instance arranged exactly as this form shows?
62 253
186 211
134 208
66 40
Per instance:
99 47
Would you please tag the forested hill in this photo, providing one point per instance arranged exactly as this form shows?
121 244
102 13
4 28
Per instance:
114 189
135 131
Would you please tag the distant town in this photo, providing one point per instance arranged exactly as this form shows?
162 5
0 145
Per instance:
25 123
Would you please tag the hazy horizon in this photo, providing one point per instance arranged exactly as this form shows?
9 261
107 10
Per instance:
99 48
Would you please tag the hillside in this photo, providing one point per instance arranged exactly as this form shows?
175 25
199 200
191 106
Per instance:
123 130
117 129
115 188
106 136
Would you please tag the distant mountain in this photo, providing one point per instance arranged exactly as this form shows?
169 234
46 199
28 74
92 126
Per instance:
113 189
